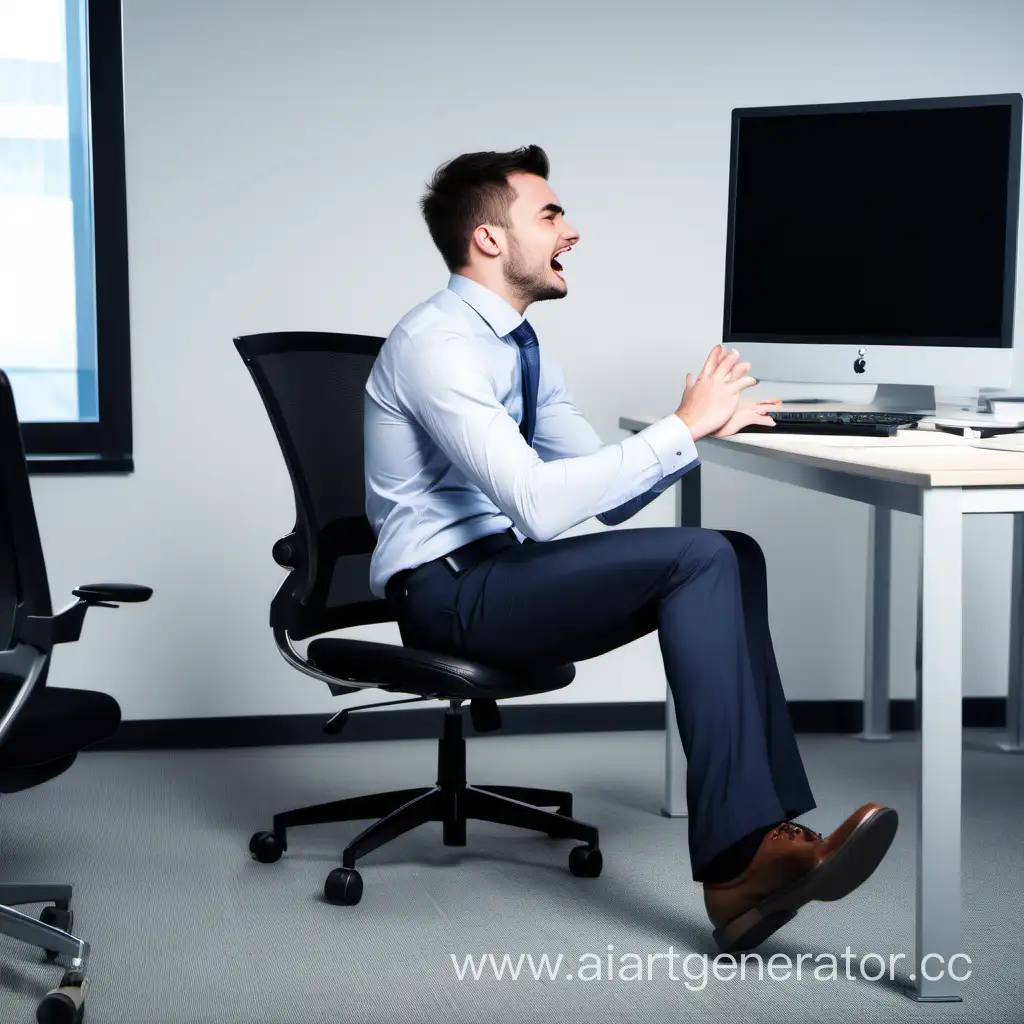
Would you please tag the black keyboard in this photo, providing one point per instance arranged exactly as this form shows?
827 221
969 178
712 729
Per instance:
863 424
898 419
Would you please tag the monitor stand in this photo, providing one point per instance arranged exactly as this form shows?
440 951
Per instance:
913 398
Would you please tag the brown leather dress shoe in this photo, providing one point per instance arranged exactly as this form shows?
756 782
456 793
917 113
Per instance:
792 866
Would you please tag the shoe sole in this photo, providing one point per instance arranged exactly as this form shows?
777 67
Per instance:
850 866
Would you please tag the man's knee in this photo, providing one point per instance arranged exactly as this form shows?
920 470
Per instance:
746 548
702 548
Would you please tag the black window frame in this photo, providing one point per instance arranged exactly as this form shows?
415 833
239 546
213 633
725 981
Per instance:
105 444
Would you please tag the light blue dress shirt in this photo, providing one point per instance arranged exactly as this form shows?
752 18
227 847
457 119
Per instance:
445 462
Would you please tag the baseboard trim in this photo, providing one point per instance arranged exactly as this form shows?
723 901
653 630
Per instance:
823 716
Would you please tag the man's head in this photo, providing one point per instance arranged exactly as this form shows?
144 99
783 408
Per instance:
495 219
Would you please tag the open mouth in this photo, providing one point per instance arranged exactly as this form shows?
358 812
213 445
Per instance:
555 265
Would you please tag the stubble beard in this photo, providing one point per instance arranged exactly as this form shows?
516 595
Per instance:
529 285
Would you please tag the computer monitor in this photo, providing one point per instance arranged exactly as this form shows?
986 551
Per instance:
875 243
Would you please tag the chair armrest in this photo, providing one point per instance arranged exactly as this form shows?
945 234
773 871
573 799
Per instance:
127 593
43 631
24 662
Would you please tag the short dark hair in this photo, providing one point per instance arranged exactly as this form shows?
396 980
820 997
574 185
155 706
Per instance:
473 189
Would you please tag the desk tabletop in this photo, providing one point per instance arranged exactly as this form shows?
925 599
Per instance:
921 457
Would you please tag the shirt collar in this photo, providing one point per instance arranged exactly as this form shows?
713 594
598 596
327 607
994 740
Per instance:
498 314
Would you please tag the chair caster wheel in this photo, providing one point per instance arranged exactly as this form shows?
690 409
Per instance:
344 887
58 918
66 1003
266 847
585 861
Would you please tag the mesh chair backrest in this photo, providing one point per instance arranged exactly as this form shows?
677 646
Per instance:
24 589
312 385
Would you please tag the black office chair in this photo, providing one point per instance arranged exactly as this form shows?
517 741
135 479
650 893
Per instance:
42 728
312 385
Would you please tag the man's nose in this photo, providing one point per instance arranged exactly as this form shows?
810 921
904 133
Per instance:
572 235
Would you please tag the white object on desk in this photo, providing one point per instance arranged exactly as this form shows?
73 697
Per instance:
976 420
1005 443
1007 408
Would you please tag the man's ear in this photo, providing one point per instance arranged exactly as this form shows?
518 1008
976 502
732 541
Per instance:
485 241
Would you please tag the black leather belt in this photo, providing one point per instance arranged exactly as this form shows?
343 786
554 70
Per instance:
459 560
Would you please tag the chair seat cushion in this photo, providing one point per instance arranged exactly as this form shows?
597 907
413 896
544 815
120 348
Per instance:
409 670
56 723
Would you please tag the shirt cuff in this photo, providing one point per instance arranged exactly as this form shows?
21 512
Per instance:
671 442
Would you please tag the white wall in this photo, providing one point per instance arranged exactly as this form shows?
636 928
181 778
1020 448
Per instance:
275 156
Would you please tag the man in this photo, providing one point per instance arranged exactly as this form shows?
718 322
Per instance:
471 431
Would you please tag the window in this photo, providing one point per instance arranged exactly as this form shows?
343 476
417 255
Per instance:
63 239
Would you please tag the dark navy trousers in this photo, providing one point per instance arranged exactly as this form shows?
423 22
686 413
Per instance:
705 593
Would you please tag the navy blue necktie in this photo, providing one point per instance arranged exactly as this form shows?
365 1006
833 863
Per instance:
529 362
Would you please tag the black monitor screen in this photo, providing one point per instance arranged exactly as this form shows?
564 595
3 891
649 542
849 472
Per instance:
889 224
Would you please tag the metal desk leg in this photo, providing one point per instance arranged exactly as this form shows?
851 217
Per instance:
688 511
1014 741
876 649
938 930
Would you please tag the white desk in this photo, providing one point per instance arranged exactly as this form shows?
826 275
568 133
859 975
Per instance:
941 478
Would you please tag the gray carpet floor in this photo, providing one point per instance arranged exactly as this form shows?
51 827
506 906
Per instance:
186 927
